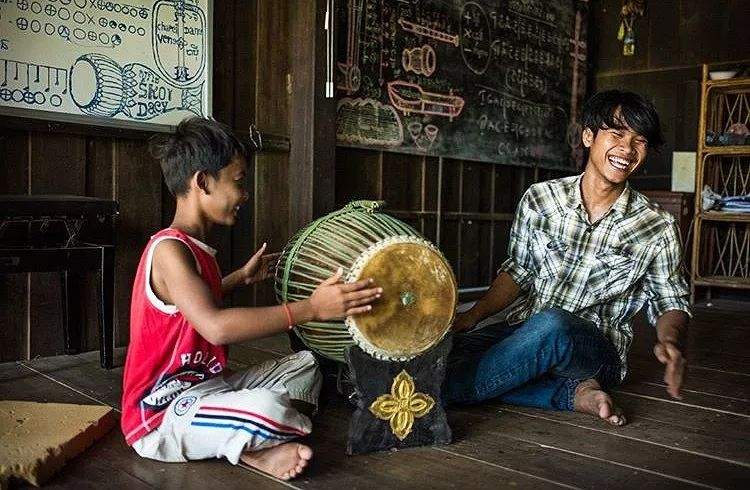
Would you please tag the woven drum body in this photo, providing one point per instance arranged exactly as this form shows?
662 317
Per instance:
419 290
98 87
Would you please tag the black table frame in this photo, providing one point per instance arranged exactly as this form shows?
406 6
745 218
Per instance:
70 260
83 258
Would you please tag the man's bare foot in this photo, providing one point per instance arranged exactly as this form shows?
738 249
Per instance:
589 398
284 461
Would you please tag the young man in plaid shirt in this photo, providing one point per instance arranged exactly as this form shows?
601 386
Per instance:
586 253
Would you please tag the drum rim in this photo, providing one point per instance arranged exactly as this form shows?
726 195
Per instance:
299 239
353 275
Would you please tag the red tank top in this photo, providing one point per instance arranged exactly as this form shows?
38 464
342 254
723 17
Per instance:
166 355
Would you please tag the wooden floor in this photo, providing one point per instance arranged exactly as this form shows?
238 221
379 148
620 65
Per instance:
700 441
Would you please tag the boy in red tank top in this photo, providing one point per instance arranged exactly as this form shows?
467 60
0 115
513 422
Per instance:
178 404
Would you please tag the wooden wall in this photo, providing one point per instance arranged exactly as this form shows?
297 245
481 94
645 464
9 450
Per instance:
44 159
672 39
269 61
466 208
264 71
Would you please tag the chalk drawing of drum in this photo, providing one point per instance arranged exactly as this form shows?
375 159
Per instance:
96 85
420 60
100 87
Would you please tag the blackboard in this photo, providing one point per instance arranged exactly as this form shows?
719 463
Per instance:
127 63
496 81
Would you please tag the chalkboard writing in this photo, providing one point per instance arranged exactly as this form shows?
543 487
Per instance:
146 61
497 81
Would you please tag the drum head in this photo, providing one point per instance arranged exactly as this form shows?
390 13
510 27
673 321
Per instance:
418 302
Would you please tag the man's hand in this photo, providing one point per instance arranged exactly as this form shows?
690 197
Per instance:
669 354
260 267
333 299
671 332
462 322
500 295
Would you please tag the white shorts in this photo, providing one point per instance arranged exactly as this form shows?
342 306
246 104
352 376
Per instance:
246 411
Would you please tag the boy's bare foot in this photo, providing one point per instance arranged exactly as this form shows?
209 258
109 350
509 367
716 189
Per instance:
284 461
589 398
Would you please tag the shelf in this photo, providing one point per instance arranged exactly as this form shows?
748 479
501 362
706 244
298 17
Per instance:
720 238
724 216
723 281
728 83
726 150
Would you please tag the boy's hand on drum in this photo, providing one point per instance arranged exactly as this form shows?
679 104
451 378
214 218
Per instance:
334 299
260 266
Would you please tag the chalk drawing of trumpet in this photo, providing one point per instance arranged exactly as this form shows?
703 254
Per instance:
411 98
420 60
100 87
428 31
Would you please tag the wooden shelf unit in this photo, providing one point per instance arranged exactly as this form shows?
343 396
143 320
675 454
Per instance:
721 250
722 216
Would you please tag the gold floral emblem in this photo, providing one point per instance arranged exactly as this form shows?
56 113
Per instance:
402 405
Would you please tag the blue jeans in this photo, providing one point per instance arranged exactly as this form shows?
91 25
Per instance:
538 363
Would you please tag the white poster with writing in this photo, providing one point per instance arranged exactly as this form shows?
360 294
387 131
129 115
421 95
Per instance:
144 61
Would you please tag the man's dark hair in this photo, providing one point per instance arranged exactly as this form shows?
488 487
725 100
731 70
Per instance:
600 112
198 144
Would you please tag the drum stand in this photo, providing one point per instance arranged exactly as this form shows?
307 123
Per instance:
399 403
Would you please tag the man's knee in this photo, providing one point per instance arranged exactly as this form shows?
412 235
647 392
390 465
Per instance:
552 321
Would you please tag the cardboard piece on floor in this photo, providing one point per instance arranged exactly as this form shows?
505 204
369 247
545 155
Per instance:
36 439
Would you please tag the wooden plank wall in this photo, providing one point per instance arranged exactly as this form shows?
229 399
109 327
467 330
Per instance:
269 59
252 81
48 161
466 208
672 39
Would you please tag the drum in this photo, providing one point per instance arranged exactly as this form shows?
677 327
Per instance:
96 85
419 296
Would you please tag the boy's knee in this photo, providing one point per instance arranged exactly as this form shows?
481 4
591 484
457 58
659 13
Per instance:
301 359
305 379
265 396
307 357
306 362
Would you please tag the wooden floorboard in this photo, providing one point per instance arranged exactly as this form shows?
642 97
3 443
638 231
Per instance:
722 362
720 424
82 373
594 446
110 463
653 433
705 401
700 441
720 383
410 468
487 436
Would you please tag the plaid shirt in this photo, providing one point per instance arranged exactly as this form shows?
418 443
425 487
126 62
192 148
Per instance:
604 272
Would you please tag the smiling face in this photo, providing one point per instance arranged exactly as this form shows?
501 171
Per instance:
225 193
615 153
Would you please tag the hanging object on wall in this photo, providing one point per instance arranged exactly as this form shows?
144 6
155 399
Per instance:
141 64
631 9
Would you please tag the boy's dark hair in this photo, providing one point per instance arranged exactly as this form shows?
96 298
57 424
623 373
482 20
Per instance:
198 144
600 112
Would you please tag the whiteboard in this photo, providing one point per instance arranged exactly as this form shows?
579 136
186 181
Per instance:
130 63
